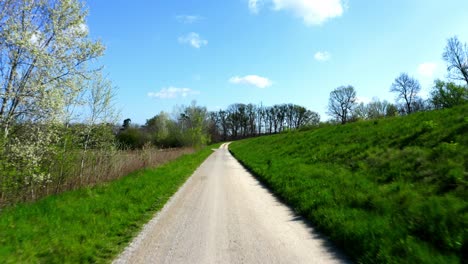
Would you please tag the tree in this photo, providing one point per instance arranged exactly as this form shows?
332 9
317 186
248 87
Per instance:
407 89
126 123
44 45
194 122
310 119
456 56
342 102
158 127
391 110
445 95
377 109
360 112
99 100
251 119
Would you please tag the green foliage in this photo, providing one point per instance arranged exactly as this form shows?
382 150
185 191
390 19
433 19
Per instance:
446 95
133 138
91 224
46 86
388 191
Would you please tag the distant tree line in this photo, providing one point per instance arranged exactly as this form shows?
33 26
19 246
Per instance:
344 108
247 120
194 126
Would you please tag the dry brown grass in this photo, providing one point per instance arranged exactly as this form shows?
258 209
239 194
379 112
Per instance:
98 167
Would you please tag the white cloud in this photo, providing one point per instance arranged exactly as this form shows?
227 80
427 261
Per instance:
255 80
427 69
313 12
322 56
189 19
254 6
172 92
194 40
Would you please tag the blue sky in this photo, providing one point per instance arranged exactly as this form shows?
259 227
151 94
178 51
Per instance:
161 54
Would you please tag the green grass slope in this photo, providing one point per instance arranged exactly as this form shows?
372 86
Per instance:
92 224
385 191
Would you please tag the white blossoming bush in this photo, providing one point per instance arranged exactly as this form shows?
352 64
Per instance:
30 153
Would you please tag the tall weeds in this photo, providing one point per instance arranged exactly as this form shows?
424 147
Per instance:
65 172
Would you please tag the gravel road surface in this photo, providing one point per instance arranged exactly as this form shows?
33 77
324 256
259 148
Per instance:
224 215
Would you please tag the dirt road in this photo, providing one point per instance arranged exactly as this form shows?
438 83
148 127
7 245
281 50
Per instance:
224 215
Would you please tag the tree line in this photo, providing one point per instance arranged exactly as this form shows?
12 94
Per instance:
195 126
344 108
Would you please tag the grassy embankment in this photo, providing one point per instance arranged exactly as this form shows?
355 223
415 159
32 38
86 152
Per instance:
91 224
386 191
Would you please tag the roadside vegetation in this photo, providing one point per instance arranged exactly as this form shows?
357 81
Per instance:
390 190
92 224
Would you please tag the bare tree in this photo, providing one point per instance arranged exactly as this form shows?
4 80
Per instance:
456 56
251 115
407 89
377 109
341 103
99 102
261 119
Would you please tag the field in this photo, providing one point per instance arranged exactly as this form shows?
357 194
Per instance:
90 224
385 191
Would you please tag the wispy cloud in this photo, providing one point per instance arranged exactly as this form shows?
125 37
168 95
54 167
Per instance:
255 80
427 69
322 56
189 19
254 5
172 92
313 12
194 40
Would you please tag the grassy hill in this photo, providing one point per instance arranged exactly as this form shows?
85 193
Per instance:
386 191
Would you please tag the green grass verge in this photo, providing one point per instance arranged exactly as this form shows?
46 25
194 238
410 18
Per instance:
92 224
386 191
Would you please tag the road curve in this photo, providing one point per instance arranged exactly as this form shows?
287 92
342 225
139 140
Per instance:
224 215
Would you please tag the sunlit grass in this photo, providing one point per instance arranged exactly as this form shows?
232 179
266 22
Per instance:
91 224
386 191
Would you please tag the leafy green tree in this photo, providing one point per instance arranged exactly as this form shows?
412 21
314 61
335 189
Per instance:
448 94
134 137
391 110
194 125
158 128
